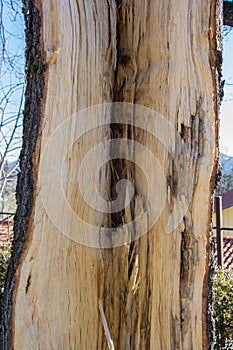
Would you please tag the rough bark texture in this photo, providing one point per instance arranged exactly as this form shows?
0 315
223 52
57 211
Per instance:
35 70
228 13
216 64
158 54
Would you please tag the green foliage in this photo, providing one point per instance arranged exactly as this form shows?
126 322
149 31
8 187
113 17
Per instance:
5 253
223 309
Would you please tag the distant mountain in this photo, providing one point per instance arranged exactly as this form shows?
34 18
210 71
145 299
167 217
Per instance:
227 164
225 182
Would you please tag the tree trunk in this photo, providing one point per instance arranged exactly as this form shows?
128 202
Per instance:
97 264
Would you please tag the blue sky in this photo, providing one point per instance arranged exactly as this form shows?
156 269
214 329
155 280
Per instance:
226 116
12 77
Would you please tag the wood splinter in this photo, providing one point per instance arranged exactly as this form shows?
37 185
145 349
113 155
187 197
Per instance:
106 329
54 57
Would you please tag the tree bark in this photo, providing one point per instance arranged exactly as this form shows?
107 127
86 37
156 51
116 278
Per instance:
63 285
228 13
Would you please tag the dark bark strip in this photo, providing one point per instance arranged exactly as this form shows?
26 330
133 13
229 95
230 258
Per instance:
35 70
228 13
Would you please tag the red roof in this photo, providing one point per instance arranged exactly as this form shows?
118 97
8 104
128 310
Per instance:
6 229
227 252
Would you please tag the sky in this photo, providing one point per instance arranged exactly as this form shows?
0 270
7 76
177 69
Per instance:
226 116
11 77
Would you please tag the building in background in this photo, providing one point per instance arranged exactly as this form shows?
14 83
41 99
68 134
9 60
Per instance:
227 212
227 221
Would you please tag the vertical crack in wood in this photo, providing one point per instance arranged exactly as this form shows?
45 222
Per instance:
187 270
127 309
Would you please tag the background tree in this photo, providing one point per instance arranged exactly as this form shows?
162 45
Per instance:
11 104
11 99
223 309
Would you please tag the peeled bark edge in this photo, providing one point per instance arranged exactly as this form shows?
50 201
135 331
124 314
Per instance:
216 48
35 90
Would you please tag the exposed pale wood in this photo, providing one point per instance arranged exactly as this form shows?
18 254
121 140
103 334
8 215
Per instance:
155 54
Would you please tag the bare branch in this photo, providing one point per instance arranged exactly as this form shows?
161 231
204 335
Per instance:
11 96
